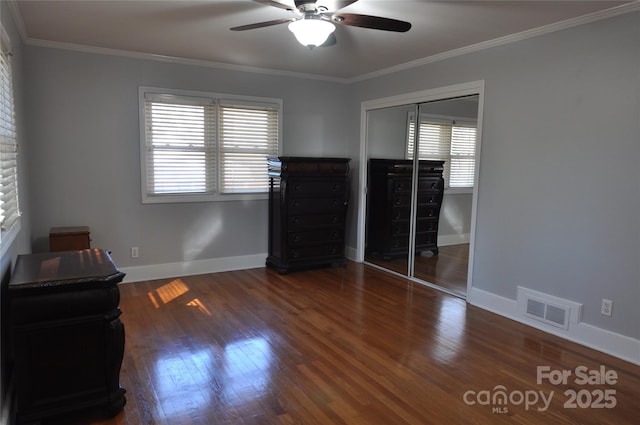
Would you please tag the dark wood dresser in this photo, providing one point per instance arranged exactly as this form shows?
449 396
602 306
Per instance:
66 339
389 207
308 200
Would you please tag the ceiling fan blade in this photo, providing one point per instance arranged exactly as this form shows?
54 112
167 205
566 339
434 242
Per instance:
277 4
367 21
262 24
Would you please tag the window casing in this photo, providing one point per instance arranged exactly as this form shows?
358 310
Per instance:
450 140
199 146
9 205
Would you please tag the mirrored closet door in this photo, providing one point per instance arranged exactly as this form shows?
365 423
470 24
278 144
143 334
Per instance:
389 189
420 182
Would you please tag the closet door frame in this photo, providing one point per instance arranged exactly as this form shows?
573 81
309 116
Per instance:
430 95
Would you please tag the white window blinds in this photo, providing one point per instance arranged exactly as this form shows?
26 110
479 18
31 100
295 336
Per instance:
206 145
180 145
9 211
248 133
446 140
463 155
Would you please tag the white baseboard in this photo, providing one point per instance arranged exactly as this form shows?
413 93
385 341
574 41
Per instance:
187 268
456 239
608 342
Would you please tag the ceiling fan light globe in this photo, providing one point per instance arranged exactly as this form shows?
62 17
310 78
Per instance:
311 32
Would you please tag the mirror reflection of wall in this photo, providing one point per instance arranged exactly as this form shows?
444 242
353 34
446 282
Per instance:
447 132
387 132
387 139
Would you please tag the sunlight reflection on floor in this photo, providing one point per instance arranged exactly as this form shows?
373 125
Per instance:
167 293
450 330
190 380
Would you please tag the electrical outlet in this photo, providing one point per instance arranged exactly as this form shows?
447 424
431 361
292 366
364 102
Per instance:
135 252
607 307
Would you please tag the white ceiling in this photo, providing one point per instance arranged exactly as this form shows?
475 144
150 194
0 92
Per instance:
199 30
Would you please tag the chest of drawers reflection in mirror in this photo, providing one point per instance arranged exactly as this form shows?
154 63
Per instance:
390 184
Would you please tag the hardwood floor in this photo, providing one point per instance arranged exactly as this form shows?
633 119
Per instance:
448 269
349 345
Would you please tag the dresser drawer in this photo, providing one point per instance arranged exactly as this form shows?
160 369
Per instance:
430 185
402 185
427 225
423 225
400 213
423 198
400 228
301 222
315 205
316 236
428 198
426 238
424 211
316 251
324 167
316 188
427 211
400 243
401 199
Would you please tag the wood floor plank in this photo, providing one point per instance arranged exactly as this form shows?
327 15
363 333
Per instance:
350 345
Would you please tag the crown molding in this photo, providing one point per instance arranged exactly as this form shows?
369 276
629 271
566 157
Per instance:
524 35
178 60
501 41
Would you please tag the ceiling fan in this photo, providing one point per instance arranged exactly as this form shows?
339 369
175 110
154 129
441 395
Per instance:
313 21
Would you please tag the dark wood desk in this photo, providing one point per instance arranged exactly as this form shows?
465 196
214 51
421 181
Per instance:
66 338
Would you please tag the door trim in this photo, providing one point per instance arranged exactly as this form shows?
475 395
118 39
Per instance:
440 93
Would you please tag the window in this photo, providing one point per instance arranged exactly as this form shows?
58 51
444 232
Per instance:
201 146
449 140
9 209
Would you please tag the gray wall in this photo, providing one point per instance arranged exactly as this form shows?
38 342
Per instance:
559 187
84 153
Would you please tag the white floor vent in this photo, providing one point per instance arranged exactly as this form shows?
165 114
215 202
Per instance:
548 309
